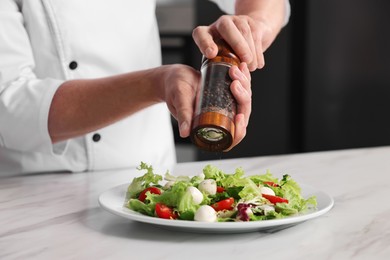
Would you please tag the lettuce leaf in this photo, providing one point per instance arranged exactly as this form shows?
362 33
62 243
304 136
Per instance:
140 183
260 179
212 172
178 198
137 205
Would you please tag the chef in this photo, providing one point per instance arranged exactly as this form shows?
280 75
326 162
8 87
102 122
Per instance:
82 87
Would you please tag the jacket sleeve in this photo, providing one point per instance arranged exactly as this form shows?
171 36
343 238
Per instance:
225 5
24 99
228 7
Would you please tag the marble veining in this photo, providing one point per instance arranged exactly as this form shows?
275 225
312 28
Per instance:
57 216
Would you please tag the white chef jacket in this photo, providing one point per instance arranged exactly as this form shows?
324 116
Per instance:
46 42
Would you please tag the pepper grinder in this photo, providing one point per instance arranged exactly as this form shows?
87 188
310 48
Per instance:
213 123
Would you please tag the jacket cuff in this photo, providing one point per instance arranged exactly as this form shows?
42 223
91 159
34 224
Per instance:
25 105
225 5
228 7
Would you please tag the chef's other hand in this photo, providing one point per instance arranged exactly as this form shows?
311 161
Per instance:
179 87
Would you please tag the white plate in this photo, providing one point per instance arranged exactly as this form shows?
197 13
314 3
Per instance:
113 200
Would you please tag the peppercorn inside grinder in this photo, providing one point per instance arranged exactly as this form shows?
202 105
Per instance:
213 124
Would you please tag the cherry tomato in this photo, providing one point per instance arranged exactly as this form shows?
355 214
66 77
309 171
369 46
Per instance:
220 189
226 204
164 211
153 190
271 184
275 199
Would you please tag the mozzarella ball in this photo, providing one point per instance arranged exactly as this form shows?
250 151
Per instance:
208 186
267 191
197 196
201 176
205 213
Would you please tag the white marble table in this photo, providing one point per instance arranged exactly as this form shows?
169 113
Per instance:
57 216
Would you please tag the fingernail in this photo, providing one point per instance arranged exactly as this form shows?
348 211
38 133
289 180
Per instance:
209 52
184 126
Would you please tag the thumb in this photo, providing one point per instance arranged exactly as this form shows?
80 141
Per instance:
184 118
184 128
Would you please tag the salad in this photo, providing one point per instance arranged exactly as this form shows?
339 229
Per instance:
215 196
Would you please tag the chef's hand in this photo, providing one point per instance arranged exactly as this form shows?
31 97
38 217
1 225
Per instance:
180 84
246 36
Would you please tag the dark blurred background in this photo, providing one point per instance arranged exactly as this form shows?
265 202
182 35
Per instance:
326 83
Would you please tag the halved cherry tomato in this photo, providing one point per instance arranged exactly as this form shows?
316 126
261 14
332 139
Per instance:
153 190
164 211
275 199
226 204
271 184
220 189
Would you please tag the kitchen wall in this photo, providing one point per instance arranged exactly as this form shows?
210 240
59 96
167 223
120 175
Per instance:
347 74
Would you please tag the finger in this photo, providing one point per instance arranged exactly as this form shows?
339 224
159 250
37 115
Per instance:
204 40
243 26
185 106
244 69
241 90
257 40
182 104
233 36
184 116
260 58
184 129
173 111
241 75
240 131
243 98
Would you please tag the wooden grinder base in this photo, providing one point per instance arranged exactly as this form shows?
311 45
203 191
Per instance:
212 120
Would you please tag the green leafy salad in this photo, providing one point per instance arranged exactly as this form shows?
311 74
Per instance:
215 196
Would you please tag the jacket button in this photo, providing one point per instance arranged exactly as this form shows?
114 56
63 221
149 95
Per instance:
73 65
96 137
